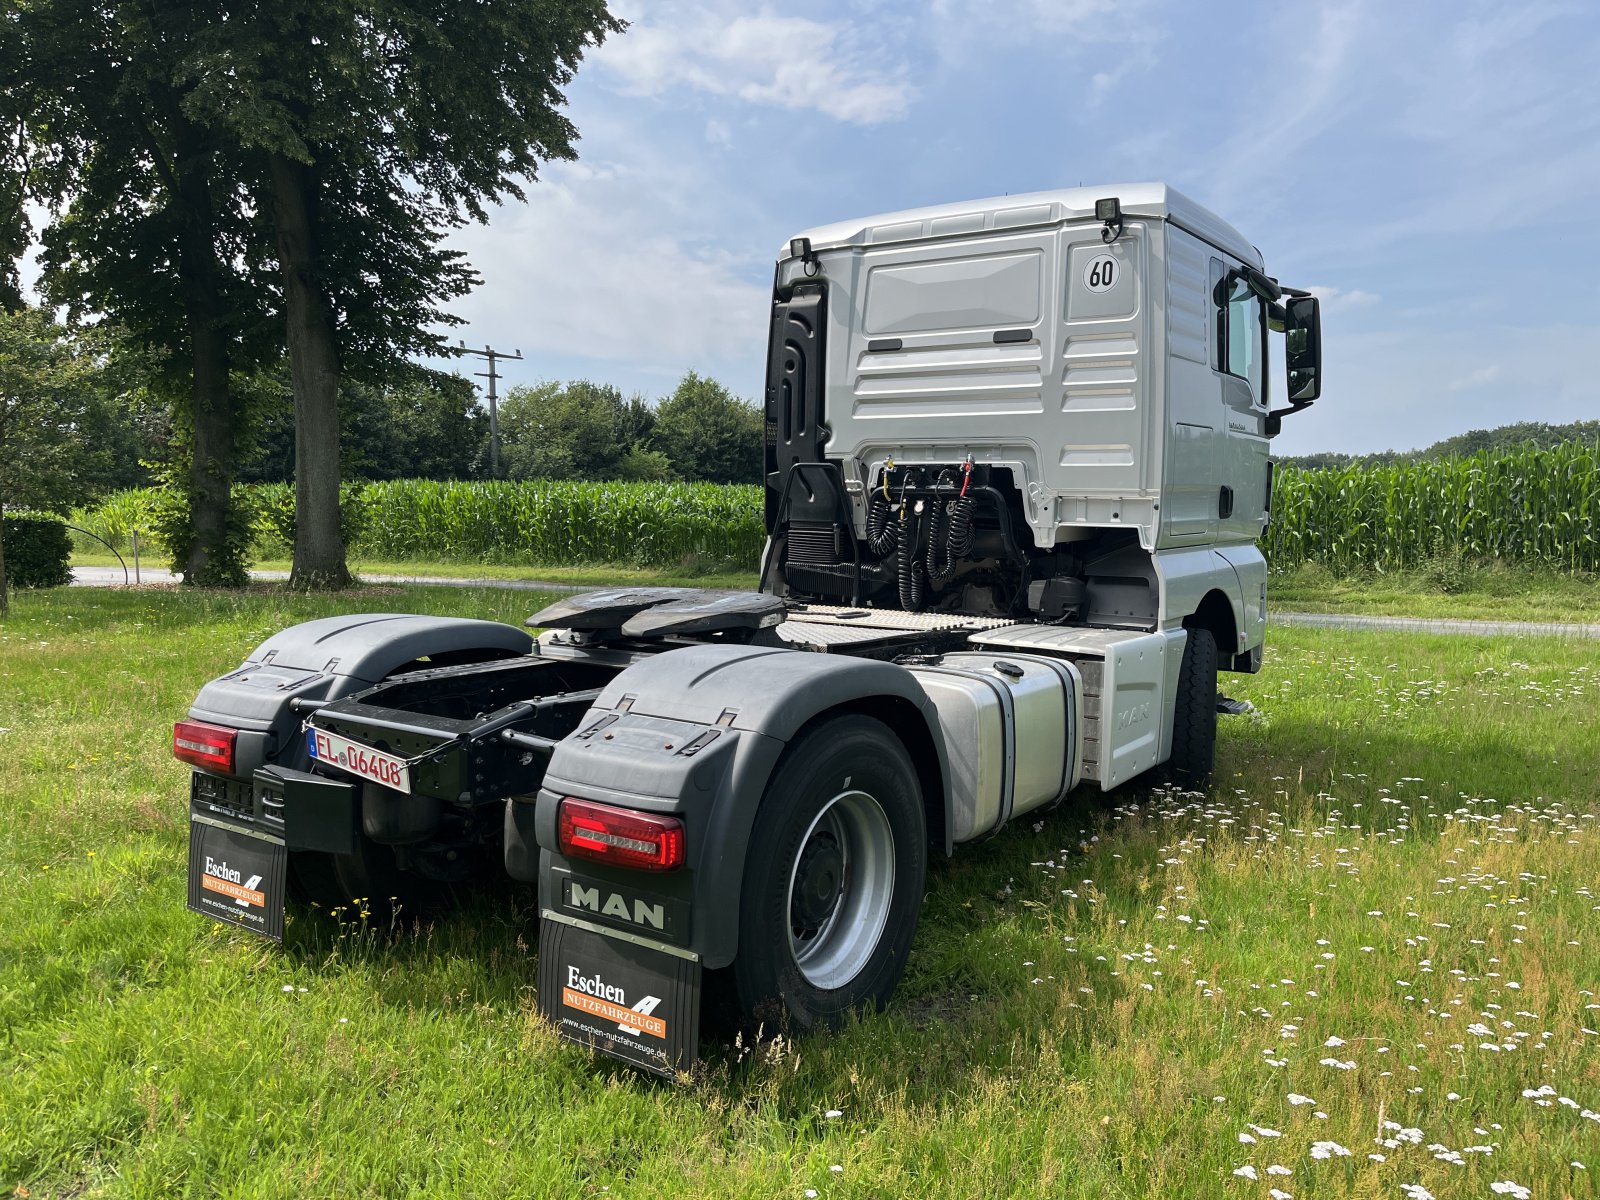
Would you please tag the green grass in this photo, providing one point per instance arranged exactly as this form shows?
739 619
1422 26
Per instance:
1495 593
1098 1004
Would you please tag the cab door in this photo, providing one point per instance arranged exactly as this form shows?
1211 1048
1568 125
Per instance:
1239 362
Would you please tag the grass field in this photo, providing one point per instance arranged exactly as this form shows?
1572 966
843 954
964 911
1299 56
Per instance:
1497 593
1365 962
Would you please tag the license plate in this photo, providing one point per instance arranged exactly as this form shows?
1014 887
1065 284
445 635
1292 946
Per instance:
366 761
237 876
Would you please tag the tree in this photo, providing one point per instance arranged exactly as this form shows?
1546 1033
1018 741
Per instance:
421 424
563 431
149 225
709 433
436 428
380 127
641 465
49 404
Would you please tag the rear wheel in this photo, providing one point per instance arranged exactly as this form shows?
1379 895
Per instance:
833 880
1194 715
369 879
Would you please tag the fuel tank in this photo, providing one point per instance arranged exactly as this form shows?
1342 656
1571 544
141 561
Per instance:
1011 731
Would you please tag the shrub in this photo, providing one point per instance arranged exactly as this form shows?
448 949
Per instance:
37 550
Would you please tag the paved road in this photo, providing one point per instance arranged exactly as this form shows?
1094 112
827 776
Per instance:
112 576
1438 625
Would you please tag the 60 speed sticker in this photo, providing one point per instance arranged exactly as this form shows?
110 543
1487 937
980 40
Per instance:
1102 273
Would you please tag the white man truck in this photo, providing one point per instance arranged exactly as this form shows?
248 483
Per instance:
1016 466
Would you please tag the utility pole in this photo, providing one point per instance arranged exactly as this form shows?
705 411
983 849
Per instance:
493 355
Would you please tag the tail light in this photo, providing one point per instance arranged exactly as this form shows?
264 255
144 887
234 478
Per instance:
622 837
208 746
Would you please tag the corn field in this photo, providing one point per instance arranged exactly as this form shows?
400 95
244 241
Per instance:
1528 505
538 523
1531 505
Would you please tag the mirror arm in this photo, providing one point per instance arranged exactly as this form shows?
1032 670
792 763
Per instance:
1276 416
1262 285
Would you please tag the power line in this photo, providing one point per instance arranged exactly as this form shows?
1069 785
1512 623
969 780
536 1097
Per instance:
494 356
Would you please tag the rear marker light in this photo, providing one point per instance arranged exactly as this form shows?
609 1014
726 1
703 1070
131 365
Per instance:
622 837
203 745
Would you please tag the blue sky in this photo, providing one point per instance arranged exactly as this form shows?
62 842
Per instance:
1431 169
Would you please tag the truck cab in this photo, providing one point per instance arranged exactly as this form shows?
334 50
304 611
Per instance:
1089 365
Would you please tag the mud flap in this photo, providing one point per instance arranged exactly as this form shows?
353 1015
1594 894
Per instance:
237 875
620 996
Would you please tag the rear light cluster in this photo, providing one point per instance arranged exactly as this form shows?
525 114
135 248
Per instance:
207 746
622 837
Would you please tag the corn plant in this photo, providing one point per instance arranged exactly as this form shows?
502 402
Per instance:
1527 505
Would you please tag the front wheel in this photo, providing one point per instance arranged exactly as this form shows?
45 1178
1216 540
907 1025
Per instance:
833 880
1194 714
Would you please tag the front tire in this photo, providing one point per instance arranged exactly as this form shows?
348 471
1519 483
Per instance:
1194 715
833 880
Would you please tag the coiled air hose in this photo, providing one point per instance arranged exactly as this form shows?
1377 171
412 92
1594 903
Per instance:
941 560
882 533
913 587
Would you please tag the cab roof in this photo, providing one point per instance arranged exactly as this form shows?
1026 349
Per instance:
1151 200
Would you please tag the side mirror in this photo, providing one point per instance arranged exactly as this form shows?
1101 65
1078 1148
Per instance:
1302 347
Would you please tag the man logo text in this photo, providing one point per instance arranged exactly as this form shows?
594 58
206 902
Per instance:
652 916
1137 715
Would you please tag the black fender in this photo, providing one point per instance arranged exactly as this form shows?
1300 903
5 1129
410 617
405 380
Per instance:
330 658
697 732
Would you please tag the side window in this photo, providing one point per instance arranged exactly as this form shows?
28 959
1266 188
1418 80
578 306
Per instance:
1240 346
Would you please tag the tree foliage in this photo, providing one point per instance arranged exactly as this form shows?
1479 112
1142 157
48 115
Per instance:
380 127
150 224
565 431
418 424
230 181
50 410
1501 438
710 434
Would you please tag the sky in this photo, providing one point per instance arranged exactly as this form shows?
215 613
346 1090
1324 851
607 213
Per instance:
1431 170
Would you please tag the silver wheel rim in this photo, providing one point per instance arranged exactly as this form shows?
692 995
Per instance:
840 885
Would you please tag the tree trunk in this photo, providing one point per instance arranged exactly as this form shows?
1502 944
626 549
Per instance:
207 561
319 552
5 582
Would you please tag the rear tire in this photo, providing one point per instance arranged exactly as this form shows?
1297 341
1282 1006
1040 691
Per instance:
1194 715
367 879
833 881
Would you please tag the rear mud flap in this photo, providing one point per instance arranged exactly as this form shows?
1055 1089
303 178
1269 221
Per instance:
237 875
626 999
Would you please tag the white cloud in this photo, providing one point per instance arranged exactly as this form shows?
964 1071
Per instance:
761 58
1085 20
1305 89
956 30
610 269
1341 299
1482 377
